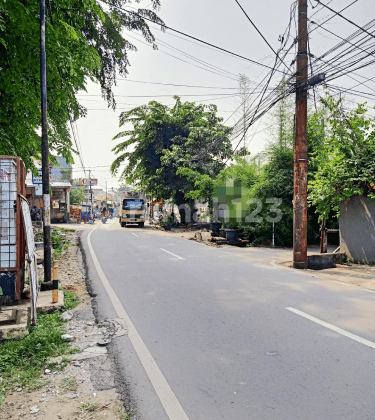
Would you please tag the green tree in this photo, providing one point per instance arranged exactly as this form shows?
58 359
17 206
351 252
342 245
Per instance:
345 161
84 41
275 181
66 175
77 195
164 142
271 196
282 121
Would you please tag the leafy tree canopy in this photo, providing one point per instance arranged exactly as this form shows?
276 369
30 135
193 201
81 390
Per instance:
84 41
345 161
77 195
206 187
167 149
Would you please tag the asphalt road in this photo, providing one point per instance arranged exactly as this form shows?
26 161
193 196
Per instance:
216 324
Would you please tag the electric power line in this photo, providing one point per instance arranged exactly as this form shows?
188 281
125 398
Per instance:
211 69
343 17
171 84
355 1
260 33
192 37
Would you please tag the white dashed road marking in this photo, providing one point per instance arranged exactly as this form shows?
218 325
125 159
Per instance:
333 328
172 254
340 282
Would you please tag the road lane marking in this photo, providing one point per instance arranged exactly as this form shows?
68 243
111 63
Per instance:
135 235
277 265
172 254
167 397
333 328
340 282
368 290
354 285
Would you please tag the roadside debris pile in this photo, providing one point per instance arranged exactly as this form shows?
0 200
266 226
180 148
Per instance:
226 237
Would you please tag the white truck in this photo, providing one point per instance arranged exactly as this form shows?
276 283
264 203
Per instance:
133 208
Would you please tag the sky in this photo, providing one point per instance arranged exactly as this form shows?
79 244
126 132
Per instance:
181 61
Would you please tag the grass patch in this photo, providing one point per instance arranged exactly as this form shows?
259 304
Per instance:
22 360
59 242
39 237
125 415
40 281
69 384
61 229
71 300
52 366
88 407
39 384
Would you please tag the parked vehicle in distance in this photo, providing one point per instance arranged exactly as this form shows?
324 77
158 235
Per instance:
133 208
86 211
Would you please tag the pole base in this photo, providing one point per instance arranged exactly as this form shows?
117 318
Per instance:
300 265
55 296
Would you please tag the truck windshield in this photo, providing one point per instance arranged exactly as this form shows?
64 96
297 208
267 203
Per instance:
132 204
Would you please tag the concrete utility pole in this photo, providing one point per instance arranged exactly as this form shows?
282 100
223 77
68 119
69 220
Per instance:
45 151
300 147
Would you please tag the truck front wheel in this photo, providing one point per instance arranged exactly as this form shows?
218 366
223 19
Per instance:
141 224
123 224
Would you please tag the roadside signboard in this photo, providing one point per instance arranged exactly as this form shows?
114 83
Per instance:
86 181
37 180
31 256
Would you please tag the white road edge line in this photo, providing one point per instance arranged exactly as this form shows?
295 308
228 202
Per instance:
368 290
333 328
163 390
276 264
340 282
135 235
172 254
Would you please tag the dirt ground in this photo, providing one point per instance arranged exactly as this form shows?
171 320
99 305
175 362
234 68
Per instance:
357 275
85 389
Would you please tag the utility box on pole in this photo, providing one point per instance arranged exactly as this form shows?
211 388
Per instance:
12 233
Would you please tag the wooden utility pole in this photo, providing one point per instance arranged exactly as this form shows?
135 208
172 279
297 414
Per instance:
300 148
45 150
91 210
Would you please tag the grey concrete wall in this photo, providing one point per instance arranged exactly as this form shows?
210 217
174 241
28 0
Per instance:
357 228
